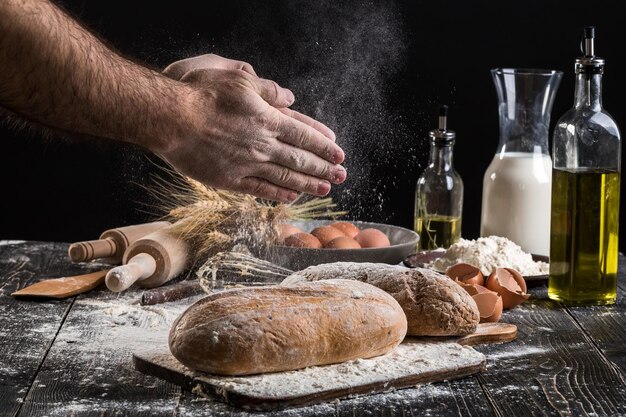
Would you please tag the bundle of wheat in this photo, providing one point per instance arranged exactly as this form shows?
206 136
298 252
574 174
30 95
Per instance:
214 220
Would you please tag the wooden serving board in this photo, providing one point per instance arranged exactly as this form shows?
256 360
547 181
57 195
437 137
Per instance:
415 361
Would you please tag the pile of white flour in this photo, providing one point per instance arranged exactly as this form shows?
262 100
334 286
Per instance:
489 253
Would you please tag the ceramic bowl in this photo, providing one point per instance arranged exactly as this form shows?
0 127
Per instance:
403 243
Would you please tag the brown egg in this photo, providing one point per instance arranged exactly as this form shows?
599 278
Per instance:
510 285
285 230
466 273
303 240
347 228
326 233
343 242
372 238
489 306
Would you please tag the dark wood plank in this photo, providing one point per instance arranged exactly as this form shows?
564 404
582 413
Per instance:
192 405
552 368
606 325
28 328
462 397
88 370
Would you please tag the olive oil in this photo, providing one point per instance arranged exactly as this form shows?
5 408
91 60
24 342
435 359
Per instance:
586 154
439 192
437 231
584 236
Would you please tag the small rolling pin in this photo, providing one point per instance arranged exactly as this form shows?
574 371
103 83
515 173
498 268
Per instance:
150 261
112 244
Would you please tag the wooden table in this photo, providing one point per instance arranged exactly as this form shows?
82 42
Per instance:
73 357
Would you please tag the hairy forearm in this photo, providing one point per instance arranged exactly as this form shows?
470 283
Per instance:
58 74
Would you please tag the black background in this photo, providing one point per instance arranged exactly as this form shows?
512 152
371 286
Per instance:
374 71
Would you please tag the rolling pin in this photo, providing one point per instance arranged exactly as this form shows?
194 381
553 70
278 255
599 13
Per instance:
112 244
150 261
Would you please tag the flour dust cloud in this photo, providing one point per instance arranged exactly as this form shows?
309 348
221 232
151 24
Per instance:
349 56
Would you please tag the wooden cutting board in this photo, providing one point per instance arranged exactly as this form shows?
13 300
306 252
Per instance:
415 361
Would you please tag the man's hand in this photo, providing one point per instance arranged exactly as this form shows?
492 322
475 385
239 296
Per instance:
218 123
250 142
281 100
177 70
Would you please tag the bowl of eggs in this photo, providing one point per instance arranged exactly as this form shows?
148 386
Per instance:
313 242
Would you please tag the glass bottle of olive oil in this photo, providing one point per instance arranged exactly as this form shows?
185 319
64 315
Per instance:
439 192
585 192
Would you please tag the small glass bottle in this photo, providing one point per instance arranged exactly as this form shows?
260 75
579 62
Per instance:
439 192
585 192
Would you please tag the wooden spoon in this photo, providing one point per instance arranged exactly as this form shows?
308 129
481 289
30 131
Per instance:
63 287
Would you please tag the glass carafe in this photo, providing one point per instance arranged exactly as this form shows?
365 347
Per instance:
517 183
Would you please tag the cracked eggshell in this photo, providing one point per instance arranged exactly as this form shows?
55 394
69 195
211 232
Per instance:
489 306
510 285
489 303
473 289
466 273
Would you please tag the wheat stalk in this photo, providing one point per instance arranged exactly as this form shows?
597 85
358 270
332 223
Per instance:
213 220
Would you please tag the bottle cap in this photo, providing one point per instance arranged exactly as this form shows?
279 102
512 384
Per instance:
442 135
589 62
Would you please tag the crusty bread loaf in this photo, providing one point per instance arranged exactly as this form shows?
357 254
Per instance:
434 304
247 331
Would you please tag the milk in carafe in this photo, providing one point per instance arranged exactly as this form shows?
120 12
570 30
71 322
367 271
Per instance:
516 198
517 183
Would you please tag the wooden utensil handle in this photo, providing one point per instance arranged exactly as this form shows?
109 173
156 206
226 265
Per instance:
92 249
139 267
178 291
490 333
112 244
167 248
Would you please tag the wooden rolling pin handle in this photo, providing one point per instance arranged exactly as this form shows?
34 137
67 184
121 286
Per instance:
112 244
92 249
167 248
139 267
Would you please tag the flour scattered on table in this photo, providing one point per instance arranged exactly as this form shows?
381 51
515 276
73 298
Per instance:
489 253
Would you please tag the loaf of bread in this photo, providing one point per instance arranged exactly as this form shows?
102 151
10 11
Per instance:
246 331
434 304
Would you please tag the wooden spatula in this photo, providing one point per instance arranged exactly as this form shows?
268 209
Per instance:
485 333
490 333
63 287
